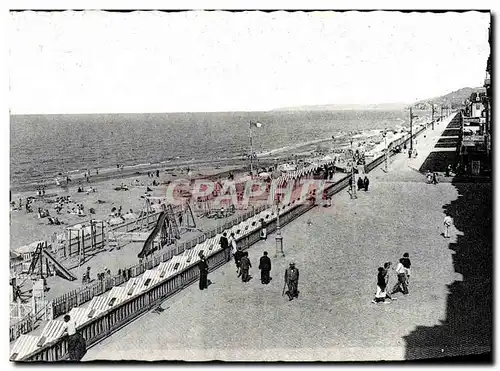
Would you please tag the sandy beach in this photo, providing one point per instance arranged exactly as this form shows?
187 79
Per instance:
27 227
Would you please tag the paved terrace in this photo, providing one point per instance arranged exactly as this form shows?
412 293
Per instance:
338 251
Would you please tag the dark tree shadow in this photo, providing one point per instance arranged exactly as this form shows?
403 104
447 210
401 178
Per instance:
467 329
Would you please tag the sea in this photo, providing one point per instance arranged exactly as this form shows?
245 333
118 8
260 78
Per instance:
42 146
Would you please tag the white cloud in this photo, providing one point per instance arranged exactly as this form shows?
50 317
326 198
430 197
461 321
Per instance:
215 61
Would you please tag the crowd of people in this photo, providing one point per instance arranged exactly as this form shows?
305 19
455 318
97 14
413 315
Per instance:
243 265
362 184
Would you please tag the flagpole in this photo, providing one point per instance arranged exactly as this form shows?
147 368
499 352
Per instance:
251 150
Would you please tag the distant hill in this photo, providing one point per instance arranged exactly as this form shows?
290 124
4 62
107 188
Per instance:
346 107
455 98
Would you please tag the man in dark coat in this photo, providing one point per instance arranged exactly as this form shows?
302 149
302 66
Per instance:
360 184
245 267
292 280
265 268
203 266
224 243
237 259
366 183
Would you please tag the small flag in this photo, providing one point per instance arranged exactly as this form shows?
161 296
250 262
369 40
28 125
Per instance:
255 124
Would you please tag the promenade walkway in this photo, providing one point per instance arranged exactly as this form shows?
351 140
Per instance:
338 251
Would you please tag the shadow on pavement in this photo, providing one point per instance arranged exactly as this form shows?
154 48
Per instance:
451 131
439 160
467 329
447 142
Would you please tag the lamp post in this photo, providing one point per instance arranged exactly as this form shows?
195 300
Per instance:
384 134
432 116
252 154
279 237
412 116
251 148
353 173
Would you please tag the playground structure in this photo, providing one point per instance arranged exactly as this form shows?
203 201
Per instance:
26 310
171 223
178 218
44 264
82 239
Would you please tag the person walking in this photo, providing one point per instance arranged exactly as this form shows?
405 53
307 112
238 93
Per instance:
292 281
434 178
407 264
366 183
263 229
232 243
203 266
237 260
447 224
360 184
387 275
401 284
265 268
245 266
224 243
380 296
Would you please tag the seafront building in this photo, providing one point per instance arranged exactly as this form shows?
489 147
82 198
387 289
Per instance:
475 136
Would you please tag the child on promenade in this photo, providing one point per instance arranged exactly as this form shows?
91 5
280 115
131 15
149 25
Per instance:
447 224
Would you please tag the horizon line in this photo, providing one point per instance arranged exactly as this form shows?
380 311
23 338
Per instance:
303 107
289 108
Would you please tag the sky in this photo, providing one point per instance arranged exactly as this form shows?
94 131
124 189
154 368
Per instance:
100 62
